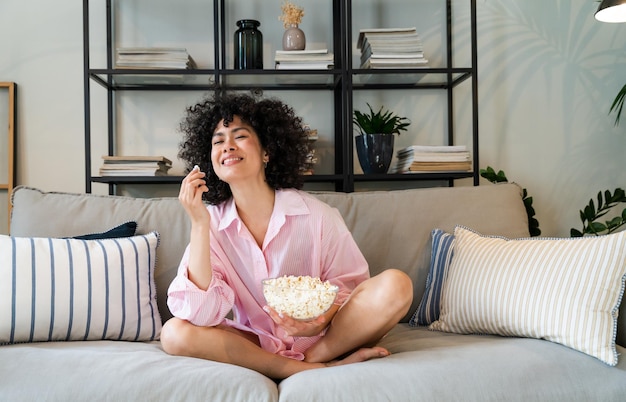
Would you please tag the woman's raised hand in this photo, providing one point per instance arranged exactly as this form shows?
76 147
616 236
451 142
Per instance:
190 195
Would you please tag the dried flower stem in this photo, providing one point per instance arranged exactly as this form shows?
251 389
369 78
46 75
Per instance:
292 14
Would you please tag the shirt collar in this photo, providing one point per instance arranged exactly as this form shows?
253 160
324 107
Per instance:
287 202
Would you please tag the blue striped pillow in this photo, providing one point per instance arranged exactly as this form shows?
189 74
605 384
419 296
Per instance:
71 289
441 255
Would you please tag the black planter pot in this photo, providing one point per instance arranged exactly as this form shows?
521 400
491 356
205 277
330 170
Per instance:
375 152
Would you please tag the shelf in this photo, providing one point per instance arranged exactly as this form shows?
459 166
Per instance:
177 179
397 78
342 83
137 179
412 176
176 80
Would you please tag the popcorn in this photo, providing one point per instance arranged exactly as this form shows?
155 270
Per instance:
300 297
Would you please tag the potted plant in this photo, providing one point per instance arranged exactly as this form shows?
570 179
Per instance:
374 143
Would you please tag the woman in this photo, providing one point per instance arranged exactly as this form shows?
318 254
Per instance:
260 225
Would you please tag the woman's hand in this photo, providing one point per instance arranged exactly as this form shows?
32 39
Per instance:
295 327
190 195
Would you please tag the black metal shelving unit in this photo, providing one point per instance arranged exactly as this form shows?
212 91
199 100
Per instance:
342 81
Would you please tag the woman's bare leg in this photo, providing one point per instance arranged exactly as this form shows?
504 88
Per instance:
374 307
228 345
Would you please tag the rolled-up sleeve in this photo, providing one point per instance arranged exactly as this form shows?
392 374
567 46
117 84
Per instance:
200 307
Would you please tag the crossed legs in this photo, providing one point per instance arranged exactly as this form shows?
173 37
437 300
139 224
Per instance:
374 307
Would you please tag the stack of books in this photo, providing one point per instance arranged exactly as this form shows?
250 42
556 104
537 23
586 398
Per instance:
391 48
320 59
135 166
154 58
425 158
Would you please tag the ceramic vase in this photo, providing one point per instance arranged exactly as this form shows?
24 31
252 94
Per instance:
293 38
375 152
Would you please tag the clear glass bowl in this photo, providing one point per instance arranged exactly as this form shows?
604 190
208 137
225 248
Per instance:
302 298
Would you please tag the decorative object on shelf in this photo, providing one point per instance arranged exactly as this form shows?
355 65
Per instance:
374 144
248 45
293 38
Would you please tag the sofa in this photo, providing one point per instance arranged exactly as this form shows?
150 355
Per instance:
447 359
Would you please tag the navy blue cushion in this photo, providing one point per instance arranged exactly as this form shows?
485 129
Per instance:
127 229
441 255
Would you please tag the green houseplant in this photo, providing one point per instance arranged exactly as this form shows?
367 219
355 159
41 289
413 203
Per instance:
374 143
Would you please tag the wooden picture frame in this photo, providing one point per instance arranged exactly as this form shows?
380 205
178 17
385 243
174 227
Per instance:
8 115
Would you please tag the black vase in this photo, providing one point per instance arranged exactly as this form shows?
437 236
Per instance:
375 152
248 45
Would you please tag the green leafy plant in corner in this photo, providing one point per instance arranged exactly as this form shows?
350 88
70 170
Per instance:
618 104
380 122
533 224
590 214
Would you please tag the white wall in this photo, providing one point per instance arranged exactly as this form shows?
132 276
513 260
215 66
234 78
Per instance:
548 73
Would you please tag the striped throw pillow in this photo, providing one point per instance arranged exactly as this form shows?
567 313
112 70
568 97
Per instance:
567 291
70 289
440 257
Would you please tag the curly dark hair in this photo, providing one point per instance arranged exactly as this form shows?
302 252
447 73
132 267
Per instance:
279 130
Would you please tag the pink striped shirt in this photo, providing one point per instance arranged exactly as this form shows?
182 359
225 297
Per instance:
305 237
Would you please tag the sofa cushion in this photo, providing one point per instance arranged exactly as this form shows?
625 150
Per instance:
393 228
126 229
437 366
70 289
57 214
98 371
441 255
566 291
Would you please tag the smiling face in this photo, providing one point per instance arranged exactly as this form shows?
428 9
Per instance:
236 152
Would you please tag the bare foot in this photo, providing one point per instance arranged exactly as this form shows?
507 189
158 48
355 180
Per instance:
361 355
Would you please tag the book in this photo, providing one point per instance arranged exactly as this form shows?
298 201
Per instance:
440 167
303 66
134 159
319 59
425 158
394 63
391 48
433 148
296 53
388 33
135 166
329 57
435 157
154 57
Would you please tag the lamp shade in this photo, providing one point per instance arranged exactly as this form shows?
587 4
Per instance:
612 11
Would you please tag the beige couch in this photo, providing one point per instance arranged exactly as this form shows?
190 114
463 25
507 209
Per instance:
393 229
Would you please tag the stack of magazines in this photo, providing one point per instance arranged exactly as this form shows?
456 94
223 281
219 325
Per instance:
154 57
135 166
320 59
425 158
391 48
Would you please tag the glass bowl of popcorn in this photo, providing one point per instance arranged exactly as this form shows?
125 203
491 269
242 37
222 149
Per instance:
299 297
